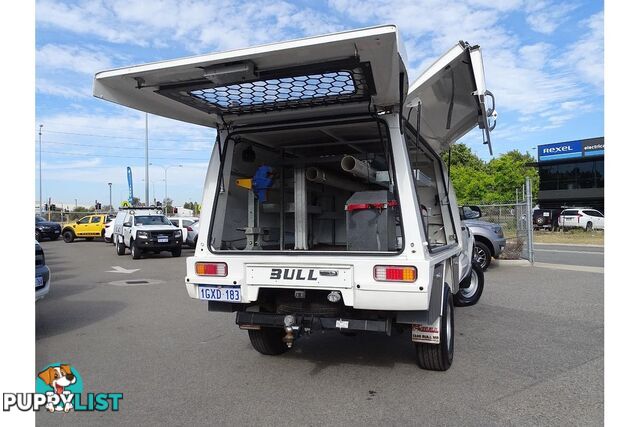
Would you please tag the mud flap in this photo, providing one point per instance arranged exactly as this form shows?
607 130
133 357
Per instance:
426 334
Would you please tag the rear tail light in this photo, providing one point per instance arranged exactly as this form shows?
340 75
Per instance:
395 273
218 269
189 229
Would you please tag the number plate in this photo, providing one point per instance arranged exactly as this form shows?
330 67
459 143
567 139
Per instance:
545 213
39 281
163 239
219 293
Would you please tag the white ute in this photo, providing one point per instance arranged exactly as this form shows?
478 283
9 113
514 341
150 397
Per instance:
326 203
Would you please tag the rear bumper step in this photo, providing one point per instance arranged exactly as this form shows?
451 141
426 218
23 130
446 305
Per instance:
269 320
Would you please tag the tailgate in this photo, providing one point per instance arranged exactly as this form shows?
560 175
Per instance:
297 276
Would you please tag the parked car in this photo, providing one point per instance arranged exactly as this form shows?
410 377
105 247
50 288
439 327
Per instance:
182 222
588 219
43 275
192 234
546 218
489 237
88 227
146 230
48 229
108 231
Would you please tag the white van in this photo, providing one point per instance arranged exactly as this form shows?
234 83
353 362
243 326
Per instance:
326 203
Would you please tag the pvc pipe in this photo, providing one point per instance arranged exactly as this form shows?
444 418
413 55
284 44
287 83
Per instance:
358 168
320 176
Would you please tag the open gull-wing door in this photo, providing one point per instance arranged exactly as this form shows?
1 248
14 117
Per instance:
452 95
351 72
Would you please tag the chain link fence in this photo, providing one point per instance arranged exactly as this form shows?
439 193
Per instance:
515 218
64 216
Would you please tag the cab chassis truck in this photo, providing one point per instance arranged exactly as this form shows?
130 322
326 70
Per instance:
326 203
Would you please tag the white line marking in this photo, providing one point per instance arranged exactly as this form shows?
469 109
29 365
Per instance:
581 268
118 269
568 252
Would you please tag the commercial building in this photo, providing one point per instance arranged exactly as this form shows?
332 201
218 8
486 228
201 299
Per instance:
572 174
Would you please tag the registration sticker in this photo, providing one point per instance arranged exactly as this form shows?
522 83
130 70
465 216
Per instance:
428 334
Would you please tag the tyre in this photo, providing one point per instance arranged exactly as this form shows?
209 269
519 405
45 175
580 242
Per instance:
481 255
106 239
589 226
176 252
38 236
439 357
540 221
68 236
136 253
268 341
471 288
120 248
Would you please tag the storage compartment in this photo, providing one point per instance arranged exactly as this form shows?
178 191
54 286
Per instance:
290 189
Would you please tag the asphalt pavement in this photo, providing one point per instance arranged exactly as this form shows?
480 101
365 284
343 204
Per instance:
530 352
588 256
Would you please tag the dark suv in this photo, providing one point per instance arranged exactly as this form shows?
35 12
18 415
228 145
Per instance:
546 218
46 228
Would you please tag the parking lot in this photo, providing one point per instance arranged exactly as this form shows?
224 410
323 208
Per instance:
531 352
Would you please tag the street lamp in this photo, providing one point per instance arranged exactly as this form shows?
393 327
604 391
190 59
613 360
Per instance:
166 168
40 167
110 205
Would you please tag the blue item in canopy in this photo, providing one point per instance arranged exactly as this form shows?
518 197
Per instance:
261 182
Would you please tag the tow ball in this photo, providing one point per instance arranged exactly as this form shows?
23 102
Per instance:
289 329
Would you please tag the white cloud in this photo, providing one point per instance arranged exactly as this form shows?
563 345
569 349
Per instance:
545 16
49 87
71 58
586 56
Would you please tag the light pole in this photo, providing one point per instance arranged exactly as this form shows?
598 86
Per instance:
166 168
40 167
146 157
110 205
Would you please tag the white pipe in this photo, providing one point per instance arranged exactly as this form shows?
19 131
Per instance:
320 176
358 168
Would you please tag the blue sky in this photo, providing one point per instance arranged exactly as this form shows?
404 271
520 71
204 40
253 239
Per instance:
543 61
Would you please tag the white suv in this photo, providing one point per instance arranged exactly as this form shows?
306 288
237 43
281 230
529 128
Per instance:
589 219
146 230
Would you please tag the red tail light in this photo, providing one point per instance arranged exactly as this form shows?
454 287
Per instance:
189 229
395 273
218 269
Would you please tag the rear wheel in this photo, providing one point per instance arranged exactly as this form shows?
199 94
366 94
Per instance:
481 255
438 357
268 341
471 288
68 236
120 247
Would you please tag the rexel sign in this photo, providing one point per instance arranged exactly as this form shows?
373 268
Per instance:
561 150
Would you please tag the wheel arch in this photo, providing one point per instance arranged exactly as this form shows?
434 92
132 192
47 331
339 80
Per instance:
486 242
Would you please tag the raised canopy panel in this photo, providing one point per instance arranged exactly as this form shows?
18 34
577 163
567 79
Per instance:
346 72
451 93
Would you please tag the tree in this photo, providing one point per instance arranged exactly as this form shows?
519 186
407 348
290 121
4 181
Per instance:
495 181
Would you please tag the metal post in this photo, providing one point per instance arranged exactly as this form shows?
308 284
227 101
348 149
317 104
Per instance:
146 158
529 220
110 205
300 208
40 167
